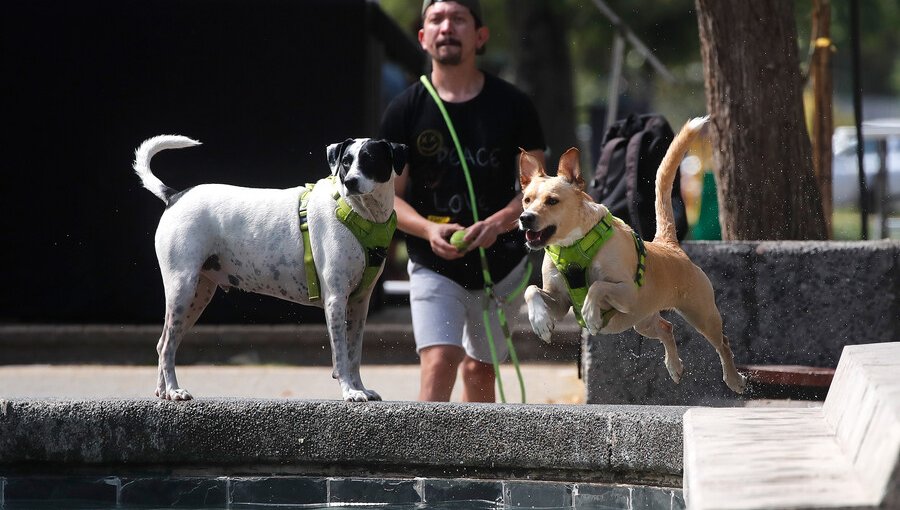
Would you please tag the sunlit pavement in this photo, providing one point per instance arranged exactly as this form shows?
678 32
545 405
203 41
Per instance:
544 383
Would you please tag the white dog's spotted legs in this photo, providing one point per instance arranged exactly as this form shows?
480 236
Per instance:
206 288
167 384
182 311
337 320
356 319
661 329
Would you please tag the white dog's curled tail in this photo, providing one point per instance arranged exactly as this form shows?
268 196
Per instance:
145 153
665 178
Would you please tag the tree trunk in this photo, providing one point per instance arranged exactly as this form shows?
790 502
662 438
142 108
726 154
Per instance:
823 88
763 158
543 68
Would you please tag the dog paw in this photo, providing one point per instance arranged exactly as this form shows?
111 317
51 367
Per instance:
592 327
373 396
176 394
737 383
360 395
676 370
544 330
541 324
593 320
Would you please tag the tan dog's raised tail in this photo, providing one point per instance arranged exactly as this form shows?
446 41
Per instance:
626 282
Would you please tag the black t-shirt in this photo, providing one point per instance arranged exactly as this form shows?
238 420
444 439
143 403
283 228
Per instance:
491 127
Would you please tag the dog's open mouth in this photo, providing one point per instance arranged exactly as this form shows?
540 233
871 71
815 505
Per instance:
539 238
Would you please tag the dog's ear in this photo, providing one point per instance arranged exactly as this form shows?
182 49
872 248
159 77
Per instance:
570 168
335 152
399 153
529 168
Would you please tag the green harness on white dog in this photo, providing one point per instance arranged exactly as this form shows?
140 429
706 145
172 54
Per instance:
374 238
574 263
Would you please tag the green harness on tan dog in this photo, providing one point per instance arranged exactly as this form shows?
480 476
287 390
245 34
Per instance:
574 263
374 238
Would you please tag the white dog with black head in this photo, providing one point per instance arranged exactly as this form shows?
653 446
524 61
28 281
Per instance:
215 235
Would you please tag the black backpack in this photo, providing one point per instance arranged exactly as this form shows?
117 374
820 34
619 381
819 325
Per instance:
625 178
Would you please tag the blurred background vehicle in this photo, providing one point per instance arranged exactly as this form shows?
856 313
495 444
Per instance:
845 173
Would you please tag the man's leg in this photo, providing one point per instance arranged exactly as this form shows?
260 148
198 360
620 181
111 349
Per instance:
438 318
478 381
439 364
477 370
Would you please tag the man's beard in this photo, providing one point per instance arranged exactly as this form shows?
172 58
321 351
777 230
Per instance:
449 59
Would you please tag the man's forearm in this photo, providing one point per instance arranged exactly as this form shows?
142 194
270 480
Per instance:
506 219
409 220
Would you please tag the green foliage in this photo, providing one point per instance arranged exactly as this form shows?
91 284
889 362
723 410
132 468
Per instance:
405 12
669 29
879 44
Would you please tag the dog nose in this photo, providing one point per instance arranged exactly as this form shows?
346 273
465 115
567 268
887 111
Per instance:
526 221
352 184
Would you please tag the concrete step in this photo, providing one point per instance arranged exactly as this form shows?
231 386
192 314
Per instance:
388 340
842 455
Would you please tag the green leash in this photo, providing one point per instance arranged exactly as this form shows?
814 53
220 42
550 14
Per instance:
488 281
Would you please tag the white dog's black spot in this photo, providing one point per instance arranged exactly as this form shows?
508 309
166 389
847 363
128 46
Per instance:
175 195
378 158
212 264
234 280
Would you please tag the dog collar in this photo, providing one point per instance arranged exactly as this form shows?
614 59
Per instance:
574 262
374 238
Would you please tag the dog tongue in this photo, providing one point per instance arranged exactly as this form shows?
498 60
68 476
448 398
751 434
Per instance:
532 235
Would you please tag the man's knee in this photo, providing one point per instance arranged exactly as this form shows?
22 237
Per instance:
474 369
441 357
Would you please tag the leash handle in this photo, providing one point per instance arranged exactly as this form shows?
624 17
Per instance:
488 281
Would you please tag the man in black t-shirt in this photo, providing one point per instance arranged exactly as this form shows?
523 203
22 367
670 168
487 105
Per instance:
492 120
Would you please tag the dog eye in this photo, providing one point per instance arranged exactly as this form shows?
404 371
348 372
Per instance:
527 200
552 201
347 161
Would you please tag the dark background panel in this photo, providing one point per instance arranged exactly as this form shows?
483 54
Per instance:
265 85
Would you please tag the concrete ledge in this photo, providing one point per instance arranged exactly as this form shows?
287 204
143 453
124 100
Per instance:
622 444
783 302
388 340
863 414
843 455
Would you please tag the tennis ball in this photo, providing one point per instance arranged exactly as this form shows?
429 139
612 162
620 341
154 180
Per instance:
457 240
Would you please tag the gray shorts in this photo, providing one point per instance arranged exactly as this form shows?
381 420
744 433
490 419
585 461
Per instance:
445 313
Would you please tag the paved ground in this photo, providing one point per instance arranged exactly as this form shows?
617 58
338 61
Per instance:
544 383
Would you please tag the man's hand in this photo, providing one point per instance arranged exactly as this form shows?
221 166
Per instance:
483 234
439 238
